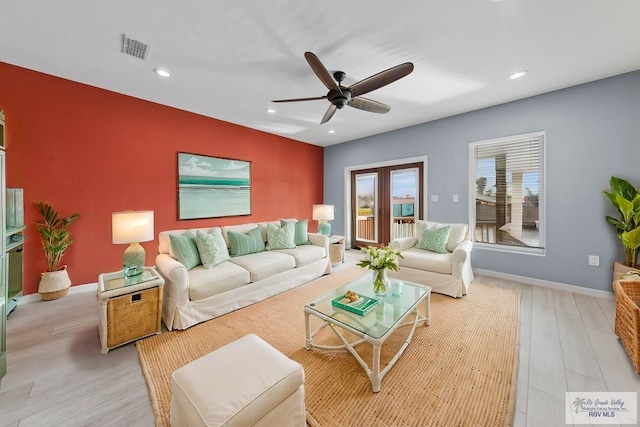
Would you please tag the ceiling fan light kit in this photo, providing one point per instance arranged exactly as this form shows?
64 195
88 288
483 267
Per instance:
339 96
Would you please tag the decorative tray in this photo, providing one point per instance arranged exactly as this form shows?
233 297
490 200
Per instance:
361 306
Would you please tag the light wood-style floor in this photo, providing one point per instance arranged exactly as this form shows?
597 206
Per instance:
57 375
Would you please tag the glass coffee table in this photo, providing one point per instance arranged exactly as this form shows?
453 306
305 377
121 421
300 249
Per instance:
374 327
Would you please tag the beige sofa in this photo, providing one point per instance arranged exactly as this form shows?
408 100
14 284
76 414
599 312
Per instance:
199 294
449 273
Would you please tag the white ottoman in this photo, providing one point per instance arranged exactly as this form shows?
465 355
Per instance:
244 383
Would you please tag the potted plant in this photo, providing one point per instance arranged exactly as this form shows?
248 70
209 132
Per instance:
54 232
626 199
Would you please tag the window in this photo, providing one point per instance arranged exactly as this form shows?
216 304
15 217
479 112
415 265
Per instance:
507 193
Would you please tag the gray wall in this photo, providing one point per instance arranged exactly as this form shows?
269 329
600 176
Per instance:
593 132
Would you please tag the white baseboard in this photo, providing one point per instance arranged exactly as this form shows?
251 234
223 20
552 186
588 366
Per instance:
546 283
89 287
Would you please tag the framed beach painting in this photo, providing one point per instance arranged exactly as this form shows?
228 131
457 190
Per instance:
210 187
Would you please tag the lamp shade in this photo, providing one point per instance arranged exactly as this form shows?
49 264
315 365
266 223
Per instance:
323 212
132 226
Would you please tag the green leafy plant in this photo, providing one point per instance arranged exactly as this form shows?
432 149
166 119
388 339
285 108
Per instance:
626 199
54 233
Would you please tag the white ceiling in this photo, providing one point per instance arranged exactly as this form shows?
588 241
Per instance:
230 59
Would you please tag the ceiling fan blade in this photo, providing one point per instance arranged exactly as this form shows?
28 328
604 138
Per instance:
321 72
315 98
330 112
383 78
370 105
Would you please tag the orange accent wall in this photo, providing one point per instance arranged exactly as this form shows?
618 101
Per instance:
88 150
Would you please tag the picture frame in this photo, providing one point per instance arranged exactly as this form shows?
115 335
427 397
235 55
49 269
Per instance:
212 187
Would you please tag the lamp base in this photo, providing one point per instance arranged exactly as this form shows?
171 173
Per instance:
133 260
324 228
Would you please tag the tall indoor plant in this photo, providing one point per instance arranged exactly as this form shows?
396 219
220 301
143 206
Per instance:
56 238
626 199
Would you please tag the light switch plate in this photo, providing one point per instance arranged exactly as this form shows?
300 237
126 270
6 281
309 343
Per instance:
434 198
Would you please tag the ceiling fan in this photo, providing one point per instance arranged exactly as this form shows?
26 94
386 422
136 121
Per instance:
339 96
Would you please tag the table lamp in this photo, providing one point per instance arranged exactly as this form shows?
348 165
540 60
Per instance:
132 227
322 214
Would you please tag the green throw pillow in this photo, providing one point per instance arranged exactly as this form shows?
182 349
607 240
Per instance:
212 247
280 237
435 240
301 236
245 243
185 249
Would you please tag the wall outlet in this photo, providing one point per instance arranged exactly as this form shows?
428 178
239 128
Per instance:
594 260
434 198
456 198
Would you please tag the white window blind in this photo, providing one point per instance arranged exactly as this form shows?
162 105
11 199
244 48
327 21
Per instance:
507 191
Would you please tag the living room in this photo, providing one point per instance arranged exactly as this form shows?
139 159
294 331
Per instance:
85 149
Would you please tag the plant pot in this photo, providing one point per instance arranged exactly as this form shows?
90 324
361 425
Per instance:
619 268
54 284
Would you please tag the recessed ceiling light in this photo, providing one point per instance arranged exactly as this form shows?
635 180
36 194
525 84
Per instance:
162 72
332 131
518 74
271 111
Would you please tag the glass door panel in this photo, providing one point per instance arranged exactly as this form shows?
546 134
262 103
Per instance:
366 209
405 199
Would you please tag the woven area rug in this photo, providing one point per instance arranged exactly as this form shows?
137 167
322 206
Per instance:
459 371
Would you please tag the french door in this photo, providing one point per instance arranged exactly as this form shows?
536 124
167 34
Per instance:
385 203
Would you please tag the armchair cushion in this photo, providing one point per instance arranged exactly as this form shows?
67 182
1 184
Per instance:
435 239
427 261
457 235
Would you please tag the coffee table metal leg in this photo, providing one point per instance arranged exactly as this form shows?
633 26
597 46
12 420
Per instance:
376 378
427 310
309 341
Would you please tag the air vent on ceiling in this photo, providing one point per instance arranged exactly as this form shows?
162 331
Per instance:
135 48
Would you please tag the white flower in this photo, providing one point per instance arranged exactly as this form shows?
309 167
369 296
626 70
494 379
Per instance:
378 258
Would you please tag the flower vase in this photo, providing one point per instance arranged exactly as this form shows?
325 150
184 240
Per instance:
380 282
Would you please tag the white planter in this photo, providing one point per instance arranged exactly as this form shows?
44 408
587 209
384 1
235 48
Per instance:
54 284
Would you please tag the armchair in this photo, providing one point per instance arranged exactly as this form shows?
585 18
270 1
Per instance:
448 273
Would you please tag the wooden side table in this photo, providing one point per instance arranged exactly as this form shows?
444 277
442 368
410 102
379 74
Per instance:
336 250
130 308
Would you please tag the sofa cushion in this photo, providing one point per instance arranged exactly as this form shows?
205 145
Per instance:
457 235
212 247
245 243
223 277
305 254
263 228
264 264
185 249
426 260
164 242
280 237
434 240
242 228
301 236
